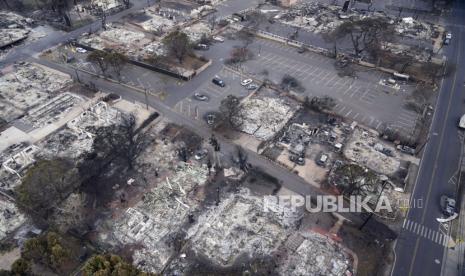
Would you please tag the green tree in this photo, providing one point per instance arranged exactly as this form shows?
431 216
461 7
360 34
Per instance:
21 267
178 45
34 249
47 249
45 185
109 265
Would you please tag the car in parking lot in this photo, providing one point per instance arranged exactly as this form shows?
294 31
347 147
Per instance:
252 86
448 35
246 82
211 119
81 50
218 38
201 97
218 82
201 46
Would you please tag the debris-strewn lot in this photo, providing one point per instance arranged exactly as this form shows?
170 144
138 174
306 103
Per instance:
25 85
238 230
264 117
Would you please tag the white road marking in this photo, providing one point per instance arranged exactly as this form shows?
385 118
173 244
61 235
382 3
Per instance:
371 120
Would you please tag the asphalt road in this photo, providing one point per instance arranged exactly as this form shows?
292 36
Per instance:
419 250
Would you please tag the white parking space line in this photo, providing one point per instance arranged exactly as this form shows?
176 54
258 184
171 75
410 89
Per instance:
347 89
313 71
326 75
331 80
371 120
403 124
339 81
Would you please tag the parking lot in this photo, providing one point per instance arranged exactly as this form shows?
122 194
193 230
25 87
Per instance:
194 108
363 99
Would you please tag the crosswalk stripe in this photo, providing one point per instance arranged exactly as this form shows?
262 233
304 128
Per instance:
409 224
426 232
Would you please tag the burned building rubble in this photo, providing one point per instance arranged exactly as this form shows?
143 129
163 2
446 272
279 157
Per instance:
154 221
263 117
13 28
240 227
10 217
26 85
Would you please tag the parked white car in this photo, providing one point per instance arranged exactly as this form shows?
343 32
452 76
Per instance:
246 82
218 38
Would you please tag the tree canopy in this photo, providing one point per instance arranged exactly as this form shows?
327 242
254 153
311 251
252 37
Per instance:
365 34
110 265
46 184
178 45
47 249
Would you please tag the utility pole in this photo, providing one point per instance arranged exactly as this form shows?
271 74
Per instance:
104 20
